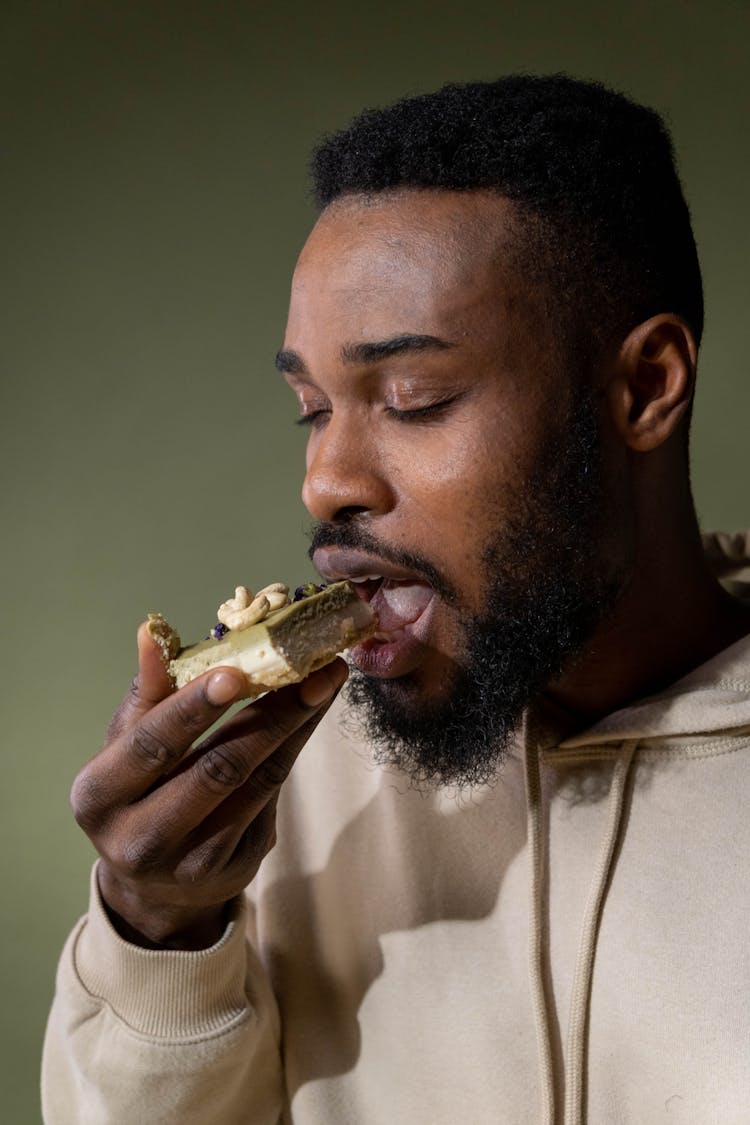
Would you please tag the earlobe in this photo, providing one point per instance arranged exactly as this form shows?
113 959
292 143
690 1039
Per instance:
653 382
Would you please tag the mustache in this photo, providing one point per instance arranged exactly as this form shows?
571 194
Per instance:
352 535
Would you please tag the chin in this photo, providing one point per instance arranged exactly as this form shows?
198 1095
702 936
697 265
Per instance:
427 728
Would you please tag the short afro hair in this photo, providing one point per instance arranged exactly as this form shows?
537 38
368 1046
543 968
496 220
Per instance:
592 173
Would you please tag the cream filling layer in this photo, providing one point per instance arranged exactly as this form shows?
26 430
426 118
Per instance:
255 656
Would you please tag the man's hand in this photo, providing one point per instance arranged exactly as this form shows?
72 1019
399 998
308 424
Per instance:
182 831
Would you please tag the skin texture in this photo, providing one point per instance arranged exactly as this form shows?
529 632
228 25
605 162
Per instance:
431 485
445 264
182 832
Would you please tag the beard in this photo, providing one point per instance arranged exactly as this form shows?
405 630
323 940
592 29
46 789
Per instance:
549 583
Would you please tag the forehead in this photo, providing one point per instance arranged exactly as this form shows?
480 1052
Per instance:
408 261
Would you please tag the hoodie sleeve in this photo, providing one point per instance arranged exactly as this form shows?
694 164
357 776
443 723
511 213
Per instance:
175 1037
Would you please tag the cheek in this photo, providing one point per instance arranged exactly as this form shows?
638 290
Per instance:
451 489
474 463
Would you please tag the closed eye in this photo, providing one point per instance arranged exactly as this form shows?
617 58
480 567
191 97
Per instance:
420 413
310 417
413 414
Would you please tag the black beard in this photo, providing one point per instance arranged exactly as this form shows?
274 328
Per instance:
548 587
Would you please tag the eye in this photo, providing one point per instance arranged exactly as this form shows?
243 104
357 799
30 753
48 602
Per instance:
420 413
314 407
312 416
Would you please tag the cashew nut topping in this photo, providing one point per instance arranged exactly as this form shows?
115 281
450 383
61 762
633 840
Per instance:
277 594
244 610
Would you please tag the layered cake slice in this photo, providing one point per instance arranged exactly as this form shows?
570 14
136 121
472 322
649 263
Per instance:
273 640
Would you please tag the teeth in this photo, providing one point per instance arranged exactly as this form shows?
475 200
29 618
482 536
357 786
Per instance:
367 578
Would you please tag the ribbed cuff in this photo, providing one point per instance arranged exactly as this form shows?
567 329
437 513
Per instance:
165 994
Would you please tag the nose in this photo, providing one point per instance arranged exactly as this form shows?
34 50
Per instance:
345 473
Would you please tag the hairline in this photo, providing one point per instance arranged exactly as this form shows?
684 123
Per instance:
528 238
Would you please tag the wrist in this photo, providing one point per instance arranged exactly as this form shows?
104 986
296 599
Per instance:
160 925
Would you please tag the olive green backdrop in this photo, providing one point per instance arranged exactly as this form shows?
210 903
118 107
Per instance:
155 200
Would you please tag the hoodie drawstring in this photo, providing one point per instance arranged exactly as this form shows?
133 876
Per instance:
575 1053
536 936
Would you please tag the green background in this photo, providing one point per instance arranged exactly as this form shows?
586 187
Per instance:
154 202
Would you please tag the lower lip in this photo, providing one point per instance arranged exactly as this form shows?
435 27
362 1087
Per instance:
400 654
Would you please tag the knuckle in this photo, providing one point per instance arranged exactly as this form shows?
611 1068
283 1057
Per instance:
128 706
189 713
150 751
142 854
267 827
278 724
202 865
132 696
272 773
222 768
158 746
88 801
255 843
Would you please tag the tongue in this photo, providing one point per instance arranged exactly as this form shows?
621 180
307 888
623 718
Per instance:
398 604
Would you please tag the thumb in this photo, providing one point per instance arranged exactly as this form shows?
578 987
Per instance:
154 683
150 686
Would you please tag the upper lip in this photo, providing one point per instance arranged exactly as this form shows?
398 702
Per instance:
337 564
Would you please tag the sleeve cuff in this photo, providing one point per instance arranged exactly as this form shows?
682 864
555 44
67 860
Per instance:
165 994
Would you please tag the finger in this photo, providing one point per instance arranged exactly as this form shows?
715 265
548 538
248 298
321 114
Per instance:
314 691
229 851
150 686
319 686
150 748
277 720
242 772
232 834
235 815
154 681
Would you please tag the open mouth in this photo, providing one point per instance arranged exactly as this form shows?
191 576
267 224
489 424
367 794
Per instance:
404 601
399 596
397 603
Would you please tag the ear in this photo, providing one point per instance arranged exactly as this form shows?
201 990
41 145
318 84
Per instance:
653 381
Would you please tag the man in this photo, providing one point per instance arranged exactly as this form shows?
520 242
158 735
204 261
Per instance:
509 882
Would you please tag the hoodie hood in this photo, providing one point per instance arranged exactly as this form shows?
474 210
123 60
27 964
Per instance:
713 698
728 555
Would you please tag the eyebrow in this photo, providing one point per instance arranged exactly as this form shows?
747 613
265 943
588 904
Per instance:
290 363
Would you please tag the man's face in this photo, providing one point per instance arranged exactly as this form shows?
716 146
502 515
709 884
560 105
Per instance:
453 466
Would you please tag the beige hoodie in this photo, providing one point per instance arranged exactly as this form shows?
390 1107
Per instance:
566 946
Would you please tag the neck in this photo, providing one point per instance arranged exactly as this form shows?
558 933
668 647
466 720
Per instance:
672 617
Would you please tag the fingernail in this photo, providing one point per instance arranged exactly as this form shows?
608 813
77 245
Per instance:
221 688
